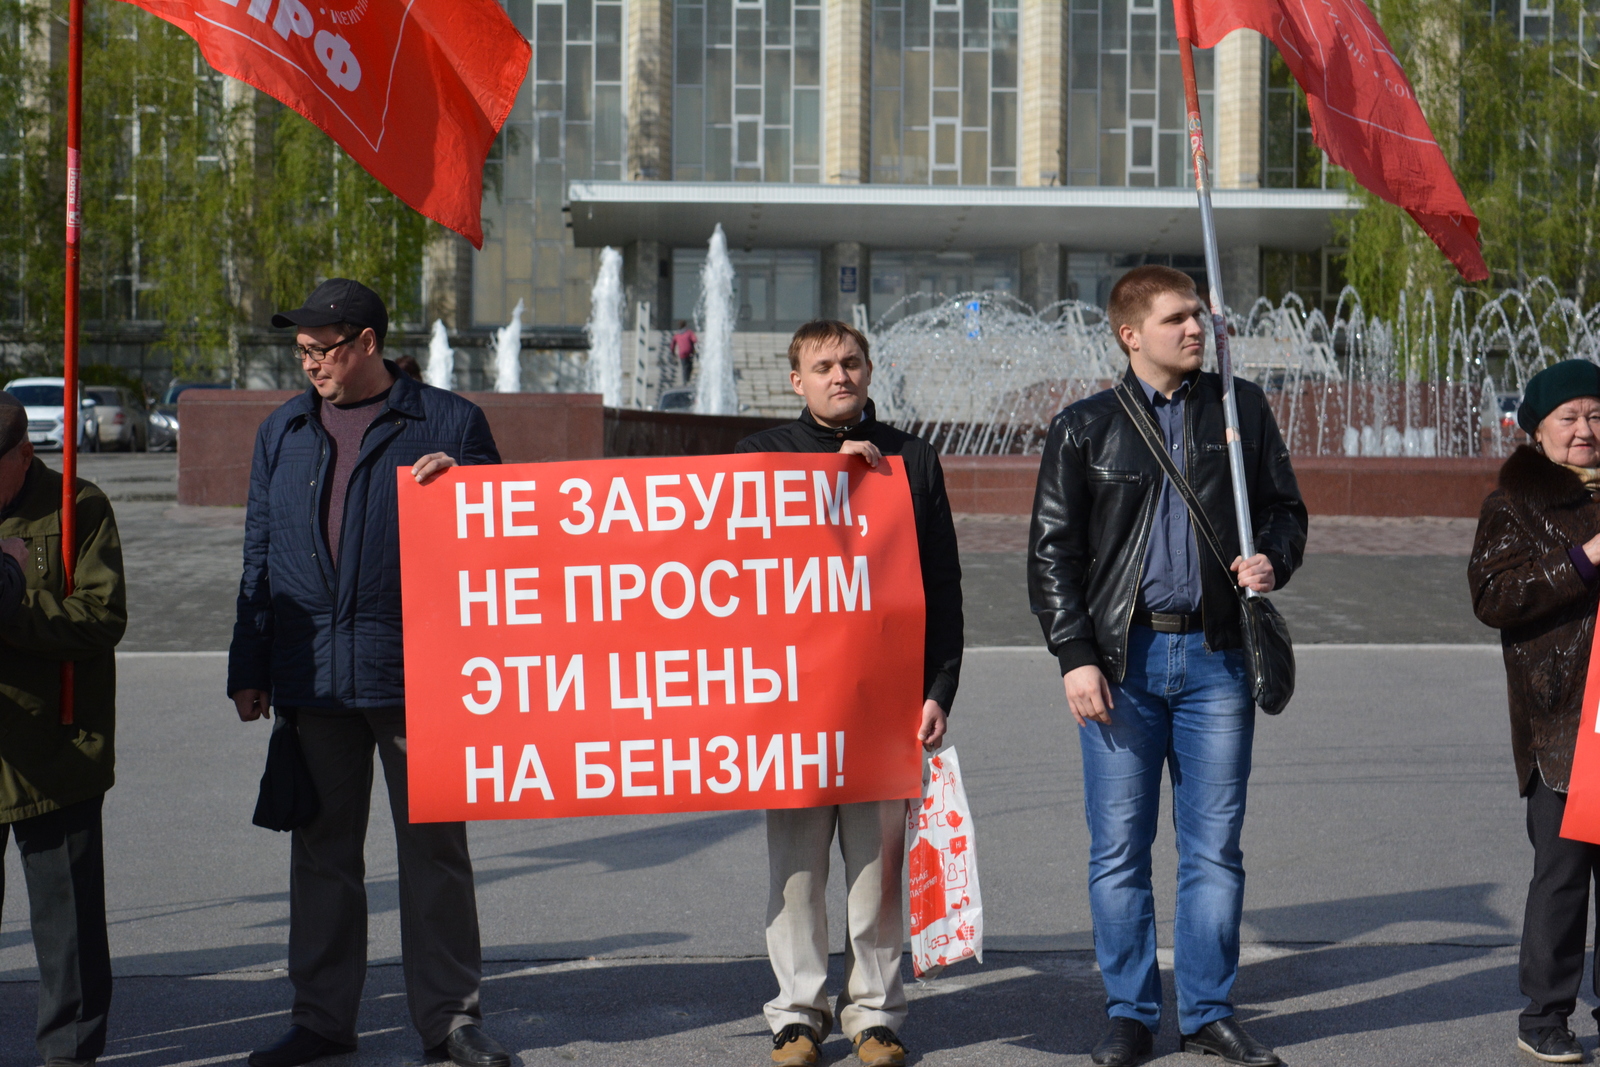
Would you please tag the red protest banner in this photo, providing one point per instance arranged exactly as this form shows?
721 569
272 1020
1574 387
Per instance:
660 635
414 90
1582 819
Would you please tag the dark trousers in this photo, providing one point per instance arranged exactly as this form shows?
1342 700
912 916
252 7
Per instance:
64 870
1557 920
439 945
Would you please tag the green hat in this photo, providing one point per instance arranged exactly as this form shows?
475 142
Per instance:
1554 386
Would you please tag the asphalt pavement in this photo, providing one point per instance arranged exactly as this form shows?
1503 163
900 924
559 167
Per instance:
1385 848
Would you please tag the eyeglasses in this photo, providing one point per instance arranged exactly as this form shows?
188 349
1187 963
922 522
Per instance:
317 354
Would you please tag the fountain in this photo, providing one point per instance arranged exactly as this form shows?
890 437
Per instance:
715 390
508 354
605 329
982 373
441 373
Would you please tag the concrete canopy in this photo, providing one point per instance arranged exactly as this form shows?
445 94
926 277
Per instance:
947 218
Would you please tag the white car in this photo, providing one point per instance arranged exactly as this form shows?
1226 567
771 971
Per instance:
42 398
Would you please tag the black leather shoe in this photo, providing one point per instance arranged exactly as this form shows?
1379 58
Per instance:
1226 1038
1125 1044
1552 1044
469 1046
297 1046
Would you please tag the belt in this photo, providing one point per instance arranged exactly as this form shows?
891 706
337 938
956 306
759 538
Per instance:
1168 624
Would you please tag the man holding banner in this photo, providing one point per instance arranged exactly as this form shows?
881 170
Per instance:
830 367
1145 626
319 636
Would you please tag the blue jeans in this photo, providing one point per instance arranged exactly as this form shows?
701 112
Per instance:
1189 709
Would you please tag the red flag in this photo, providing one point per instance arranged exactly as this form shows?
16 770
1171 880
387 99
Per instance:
1364 113
414 90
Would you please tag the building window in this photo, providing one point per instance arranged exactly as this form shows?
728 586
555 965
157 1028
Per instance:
1126 115
774 291
1292 158
944 92
929 277
1317 278
747 84
1090 275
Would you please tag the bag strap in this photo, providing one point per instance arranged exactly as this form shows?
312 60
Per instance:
1150 434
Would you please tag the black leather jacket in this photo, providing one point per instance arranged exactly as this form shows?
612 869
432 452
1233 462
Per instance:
1096 501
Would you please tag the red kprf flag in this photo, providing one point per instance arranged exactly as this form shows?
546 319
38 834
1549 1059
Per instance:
414 90
1364 113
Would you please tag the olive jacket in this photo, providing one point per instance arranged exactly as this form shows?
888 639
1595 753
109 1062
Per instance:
43 764
1526 583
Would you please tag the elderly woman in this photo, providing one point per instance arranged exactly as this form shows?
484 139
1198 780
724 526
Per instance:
1535 575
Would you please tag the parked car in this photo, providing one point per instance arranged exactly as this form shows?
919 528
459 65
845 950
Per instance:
676 400
164 415
42 398
118 420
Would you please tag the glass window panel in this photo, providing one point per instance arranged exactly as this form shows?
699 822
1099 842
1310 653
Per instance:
749 142
577 150
580 20
886 135
777 155
974 158
1003 127
521 12
886 48
1082 132
1145 179
1113 24
975 19
1004 50
1142 106
808 47
797 284
548 97
719 153
777 22
1205 68
944 144
1085 50
1113 93
947 104
806 175
946 177
688 133
777 111
719 84
975 89
914 165
917 23
916 89
578 82
807 127
746 174
719 22
1112 149
747 101
549 137
1172 105
946 47
608 43
547 62
1141 70
1002 177
747 49
690 44
1143 147
608 123
608 172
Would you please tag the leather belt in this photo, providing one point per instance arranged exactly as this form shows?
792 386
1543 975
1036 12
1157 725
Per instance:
1168 624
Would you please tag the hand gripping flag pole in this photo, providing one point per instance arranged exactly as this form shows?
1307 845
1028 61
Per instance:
1219 322
71 413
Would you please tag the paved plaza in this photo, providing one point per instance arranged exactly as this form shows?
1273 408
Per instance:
1385 847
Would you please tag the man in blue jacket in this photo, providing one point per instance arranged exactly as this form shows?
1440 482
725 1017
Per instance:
319 636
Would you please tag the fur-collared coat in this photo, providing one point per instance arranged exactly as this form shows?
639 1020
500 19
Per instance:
1526 584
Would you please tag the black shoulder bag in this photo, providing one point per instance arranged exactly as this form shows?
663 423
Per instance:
288 798
1268 649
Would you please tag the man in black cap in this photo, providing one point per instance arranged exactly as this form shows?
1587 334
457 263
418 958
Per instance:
319 637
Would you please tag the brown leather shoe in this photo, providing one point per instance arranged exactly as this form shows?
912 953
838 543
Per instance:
795 1046
877 1046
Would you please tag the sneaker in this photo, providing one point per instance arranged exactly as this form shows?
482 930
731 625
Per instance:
1552 1044
877 1046
795 1046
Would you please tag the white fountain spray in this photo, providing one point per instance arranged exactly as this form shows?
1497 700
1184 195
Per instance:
716 393
605 329
441 372
508 354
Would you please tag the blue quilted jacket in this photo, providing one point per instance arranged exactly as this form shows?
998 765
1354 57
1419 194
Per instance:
311 634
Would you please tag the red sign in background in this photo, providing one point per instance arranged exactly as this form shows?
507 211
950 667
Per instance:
660 635
1582 819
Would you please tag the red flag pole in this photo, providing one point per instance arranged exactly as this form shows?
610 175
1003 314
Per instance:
71 413
1219 323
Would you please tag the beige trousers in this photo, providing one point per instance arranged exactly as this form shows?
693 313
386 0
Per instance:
872 839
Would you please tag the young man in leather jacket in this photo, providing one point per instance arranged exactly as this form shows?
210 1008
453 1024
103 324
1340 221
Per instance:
831 368
1144 622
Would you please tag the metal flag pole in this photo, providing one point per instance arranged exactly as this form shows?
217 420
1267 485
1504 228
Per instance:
1219 324
71 413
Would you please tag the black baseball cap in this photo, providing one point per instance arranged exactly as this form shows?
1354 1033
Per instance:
339 300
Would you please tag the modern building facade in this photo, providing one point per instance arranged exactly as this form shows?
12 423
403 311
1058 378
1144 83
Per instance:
862 152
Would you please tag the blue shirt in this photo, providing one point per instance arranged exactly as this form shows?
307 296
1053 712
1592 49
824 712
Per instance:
1171 565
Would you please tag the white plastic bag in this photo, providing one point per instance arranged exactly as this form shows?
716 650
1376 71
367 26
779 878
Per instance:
946 906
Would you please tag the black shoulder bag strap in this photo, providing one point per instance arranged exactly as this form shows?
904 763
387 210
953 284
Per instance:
1150 434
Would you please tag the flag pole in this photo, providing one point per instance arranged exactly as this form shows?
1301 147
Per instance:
1219 323
71 412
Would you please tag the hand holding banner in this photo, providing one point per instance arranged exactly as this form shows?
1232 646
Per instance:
660 635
